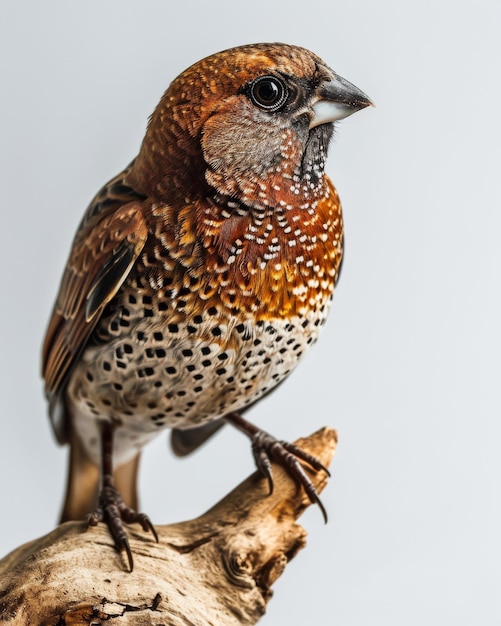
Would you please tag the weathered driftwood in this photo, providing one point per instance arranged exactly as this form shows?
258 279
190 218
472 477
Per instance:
216 569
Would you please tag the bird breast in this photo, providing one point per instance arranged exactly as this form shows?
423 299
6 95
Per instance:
168 363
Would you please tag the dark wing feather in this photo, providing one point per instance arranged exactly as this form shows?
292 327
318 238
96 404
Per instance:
111 274
104 251
184 442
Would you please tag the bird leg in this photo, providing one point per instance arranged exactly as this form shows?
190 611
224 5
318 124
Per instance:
111 507
265 447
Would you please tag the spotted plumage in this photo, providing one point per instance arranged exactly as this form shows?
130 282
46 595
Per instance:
202 273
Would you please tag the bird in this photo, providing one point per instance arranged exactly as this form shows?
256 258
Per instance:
198 276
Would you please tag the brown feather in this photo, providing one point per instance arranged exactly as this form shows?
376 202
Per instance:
94 248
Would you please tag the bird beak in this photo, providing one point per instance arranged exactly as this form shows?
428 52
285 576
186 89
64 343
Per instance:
337 99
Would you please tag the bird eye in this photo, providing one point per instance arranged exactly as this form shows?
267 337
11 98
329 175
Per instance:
268 93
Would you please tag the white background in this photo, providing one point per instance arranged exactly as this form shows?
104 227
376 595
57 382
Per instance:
407 369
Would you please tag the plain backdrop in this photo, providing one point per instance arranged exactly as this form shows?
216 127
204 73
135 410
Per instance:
407 368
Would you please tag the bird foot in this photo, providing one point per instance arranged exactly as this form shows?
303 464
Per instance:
266 448
113 511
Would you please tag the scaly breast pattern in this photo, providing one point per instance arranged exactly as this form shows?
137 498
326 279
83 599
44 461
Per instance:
181 345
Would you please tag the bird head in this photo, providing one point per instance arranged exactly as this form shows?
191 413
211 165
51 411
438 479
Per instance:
251 124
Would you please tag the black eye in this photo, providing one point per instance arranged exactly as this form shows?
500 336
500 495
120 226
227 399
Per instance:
268 93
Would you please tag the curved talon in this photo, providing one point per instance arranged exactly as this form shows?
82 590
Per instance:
148 526
290 461
308 486
128 551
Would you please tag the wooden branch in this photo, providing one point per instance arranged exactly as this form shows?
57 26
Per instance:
216 569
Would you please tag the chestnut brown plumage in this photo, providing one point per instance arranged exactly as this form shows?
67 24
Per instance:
200 274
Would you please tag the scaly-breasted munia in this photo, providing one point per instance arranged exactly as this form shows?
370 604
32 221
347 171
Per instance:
200 274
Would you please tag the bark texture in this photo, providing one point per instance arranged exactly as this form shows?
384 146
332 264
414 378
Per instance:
215 570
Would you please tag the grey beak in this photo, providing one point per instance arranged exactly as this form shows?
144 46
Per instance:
337 99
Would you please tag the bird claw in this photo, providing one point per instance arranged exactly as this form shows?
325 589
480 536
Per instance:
113 511
265 447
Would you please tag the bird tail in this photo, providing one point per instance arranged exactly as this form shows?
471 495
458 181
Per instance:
82 487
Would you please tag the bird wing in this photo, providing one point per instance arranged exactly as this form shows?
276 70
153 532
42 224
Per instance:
184 442
105 249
